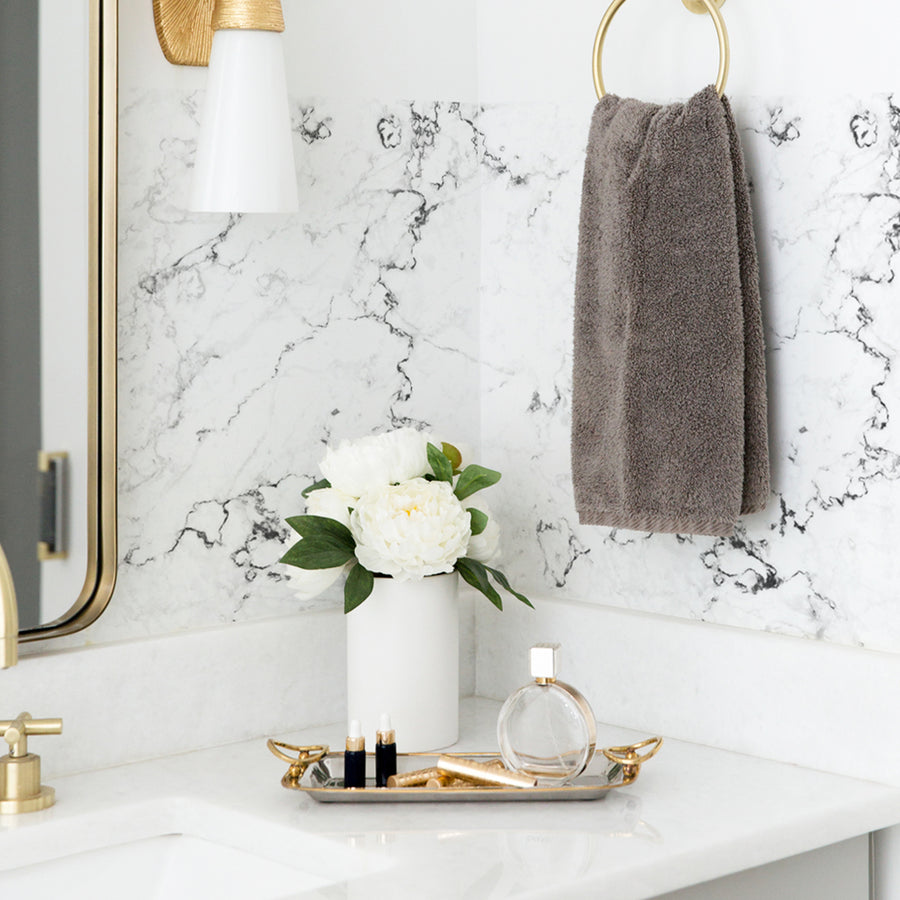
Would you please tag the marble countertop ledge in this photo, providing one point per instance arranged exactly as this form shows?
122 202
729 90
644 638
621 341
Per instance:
694 814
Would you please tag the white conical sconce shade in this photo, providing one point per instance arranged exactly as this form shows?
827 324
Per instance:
245 157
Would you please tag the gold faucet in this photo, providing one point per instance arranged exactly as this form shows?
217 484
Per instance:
9 616
20 771
21 790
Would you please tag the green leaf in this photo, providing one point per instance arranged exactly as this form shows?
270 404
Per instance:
453 454
322 529
474 478
357 587
474 573
502 580
324 483
479 520
440 465
311 553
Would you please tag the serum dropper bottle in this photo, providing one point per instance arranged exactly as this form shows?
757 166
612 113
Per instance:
355 757
385 752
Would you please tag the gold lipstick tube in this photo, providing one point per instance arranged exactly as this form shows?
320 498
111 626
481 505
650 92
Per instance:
412 779
447 781
481 773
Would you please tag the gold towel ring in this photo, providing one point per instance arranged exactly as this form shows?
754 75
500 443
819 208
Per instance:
698 6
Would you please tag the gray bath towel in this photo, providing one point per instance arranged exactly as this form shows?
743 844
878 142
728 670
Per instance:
669 387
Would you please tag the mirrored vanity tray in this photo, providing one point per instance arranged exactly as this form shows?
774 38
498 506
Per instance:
319 773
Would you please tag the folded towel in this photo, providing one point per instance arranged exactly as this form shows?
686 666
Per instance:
669 386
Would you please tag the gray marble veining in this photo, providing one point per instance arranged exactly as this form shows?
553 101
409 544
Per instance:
428 278
248 342
820 562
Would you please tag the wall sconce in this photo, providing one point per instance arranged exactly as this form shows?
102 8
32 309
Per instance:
245 157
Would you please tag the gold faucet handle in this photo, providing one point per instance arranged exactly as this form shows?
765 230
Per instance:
16 731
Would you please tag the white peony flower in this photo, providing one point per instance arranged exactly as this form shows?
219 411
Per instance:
410 530
330 503
484 547
309 583
357 467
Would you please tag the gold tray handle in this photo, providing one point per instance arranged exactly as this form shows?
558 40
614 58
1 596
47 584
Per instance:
629 758
306 756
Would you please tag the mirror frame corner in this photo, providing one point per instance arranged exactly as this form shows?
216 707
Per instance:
102 545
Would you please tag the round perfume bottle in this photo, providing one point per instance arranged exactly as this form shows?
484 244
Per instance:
547 728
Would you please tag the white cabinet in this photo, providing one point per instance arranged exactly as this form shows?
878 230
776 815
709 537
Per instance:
837 872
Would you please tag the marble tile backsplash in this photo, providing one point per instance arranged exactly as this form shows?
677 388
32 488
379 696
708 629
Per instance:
821 560
248 342
428 279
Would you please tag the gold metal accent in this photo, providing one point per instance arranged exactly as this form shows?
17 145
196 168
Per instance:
629 758
709 6
45 554
253 15
355 744
433 777
298 764
696 6
323 783
9 616
413 779
480 773
100 577
443 780
46 457
185 27
386 737
184 30
21 790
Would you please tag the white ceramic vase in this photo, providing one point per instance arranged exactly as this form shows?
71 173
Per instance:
403 659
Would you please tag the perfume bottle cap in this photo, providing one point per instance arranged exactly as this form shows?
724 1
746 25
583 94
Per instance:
544 660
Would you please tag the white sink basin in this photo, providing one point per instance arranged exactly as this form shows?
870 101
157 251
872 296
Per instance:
173 849
167 866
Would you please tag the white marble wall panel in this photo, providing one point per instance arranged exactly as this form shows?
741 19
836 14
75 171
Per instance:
821 560
432 237
248 342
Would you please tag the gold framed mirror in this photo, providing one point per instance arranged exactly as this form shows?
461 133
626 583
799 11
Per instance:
94 518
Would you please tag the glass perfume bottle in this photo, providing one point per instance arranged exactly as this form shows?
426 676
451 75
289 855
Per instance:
547 728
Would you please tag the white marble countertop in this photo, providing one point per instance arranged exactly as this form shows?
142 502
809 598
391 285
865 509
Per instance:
694 814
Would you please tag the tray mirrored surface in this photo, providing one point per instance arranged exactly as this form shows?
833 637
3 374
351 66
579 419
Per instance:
324 781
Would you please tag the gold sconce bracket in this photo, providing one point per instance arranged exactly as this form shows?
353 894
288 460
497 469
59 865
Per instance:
185 27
